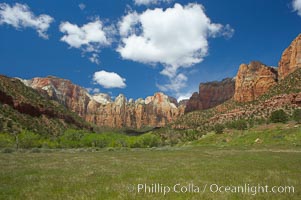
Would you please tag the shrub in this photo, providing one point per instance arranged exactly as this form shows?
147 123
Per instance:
150 140
260 121
36 150
8 150
1 124
279 116
191 135
110 149
297 115
49 144
241 125
251 122
238 124
219 128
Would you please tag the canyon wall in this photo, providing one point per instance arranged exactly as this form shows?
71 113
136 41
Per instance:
100 109
290 59
253 80
211 94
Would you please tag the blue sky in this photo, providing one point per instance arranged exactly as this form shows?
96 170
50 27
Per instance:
154 51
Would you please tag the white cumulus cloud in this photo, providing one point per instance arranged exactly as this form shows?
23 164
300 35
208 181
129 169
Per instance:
109 79
176 83
297 6
127 24
20 16
148 2
89 38
176 38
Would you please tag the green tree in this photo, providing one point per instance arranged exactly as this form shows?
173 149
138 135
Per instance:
71 138
6 140
95 140
279 116
28 139
14 129
297 115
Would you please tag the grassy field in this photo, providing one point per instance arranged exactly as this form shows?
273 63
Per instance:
72 174
264 155
272 136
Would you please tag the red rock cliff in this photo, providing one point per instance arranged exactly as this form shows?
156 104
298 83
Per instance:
253 80
211 94
72 96
154 111
291 59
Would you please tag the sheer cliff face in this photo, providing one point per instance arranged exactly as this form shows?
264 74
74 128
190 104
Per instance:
154 111
253 80
211 94
71 96
291 59
23 108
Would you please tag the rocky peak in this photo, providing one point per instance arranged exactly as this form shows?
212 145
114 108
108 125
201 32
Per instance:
290 59
64 91
156 110
102 98
173 101
194 103
120 100
211 94
253 80
131 101
22 101
161 99
149 99
140 101
24 81
183 102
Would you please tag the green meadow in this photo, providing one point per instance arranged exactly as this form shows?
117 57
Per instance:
116 174
265 156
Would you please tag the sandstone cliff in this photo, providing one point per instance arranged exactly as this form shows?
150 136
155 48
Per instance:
154 111
211 94
23 108
71 96
285 95
253 80
291 58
